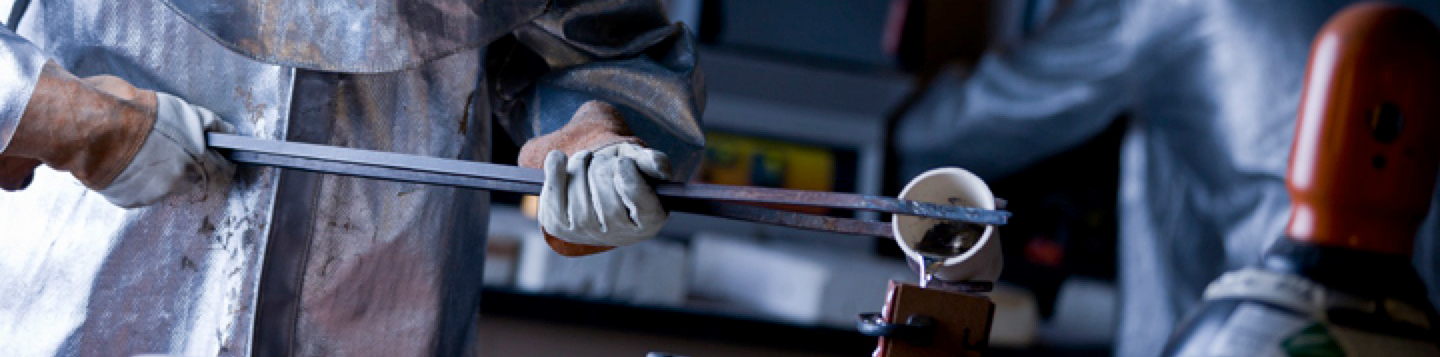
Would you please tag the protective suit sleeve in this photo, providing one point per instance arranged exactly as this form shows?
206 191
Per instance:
1056 88
20 65
622 52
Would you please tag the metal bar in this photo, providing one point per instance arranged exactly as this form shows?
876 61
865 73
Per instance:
838 200
381 172
406 162
724 210
478 174
781 218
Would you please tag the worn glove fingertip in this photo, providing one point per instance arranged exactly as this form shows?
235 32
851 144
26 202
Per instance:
552 210
553 160
653 163
646 211
222 126
221 167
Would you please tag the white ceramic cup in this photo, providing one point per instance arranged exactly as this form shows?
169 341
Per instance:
950 186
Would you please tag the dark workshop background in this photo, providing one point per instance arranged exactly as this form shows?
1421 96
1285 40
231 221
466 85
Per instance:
803 94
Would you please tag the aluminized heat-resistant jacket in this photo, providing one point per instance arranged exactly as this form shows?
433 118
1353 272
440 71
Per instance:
283 263
1212 88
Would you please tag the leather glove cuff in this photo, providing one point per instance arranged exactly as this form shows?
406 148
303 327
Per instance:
74 126
596 124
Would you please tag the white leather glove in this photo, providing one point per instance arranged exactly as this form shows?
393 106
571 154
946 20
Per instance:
174 156
602 197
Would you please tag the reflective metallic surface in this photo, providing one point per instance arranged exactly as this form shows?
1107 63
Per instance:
20 62
83 277
352 256
298 264
1212 88
355 36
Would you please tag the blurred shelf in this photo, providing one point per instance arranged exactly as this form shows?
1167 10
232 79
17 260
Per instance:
694 324
673 322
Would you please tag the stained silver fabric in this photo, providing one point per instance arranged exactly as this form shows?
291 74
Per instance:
1212 88
82 277
356 36
20 62
297 264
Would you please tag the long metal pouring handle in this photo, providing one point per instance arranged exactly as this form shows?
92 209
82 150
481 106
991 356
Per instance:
690 197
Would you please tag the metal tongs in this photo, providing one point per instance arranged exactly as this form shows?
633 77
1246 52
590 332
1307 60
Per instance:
734 202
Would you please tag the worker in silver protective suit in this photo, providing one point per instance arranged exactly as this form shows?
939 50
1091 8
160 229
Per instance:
114 99
1212 88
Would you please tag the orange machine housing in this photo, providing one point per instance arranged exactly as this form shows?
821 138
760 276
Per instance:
1368 116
